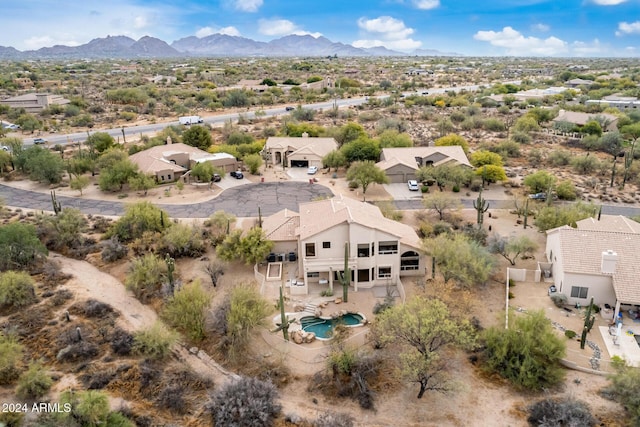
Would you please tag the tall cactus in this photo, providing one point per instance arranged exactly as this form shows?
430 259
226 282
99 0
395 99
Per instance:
57 207
526 213
171 267
346 275
481 206
588 324
284 321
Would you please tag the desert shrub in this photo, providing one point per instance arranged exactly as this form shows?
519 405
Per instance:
146 275
441 227
219 223
113 250
625 389
138 218
559 300
93 308
559 158
570 334
76 348
52 273
507 149
172 398
334 419
155 342
34 382
182 240
565 190
63 231
98 378
121 342
494 125
585 165
186 310
88 409
61 296
527 354
246 402
555 216
12 419
10 356
562 412
521 137
16 289
20 247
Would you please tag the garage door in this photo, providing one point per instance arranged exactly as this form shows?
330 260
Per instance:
396 178
299 163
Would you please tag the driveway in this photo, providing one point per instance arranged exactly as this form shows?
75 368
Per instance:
401 191
300 174
241 201
230 182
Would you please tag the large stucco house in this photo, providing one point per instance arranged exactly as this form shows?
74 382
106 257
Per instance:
380 251
301 151
599 259
34 102
401 163
170 162
581 119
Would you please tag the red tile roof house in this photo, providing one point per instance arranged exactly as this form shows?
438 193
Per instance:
598 259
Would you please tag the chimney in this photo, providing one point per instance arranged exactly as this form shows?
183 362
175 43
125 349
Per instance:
609 259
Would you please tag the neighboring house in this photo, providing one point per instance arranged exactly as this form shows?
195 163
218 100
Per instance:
581 119
23 82
401 163
573 83
616 101
170 162
301 151
34 102
380 250
597 259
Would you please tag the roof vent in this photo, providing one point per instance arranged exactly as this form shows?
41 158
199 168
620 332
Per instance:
609 259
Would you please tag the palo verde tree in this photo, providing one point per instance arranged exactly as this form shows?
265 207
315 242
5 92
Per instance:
527 354
138 218
424 331
441 203
511 248
364 174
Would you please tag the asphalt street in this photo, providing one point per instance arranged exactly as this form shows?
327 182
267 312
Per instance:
242 201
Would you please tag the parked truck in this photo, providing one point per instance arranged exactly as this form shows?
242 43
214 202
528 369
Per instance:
190 120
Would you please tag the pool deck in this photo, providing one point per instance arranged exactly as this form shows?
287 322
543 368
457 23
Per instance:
626 347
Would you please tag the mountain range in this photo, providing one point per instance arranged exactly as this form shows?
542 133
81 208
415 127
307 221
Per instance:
220 45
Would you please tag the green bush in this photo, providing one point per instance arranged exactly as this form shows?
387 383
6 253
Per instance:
10 356
34 383
154 342
186 310
182 240
559 300
20 247
570 334
565 412
247 311
12 419
138 218
146 275
625 388
16 289
527 354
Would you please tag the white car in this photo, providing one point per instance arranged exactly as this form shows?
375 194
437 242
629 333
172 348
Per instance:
312 170
413 185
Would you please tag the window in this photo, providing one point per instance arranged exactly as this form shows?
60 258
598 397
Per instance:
579 292
384 272
385 248
162 177
363 250
363 275
169 177
310 249
313 274
409 261
326 245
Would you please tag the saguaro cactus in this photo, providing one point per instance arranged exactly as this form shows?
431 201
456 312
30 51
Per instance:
346 275
57 207
481 206
589 319
171 267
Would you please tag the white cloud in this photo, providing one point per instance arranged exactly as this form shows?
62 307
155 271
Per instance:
608 2
540 27
282 27
247 5
140 22
426 4
517 44
207 31
388 32
594 48
628 28
47 41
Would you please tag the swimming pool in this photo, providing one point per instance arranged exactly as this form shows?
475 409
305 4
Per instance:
323 327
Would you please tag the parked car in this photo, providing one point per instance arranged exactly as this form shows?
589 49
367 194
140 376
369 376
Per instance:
289 108
39 141
216 178
312 170
413 185
237 174
4 148
541 196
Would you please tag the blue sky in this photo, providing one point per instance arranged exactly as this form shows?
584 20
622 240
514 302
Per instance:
471 27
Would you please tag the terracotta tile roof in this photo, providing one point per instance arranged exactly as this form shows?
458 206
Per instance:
582 253
153 159
322 215
407 156
281 226
319 146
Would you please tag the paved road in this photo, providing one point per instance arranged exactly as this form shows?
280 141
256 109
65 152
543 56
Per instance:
241 201
222 118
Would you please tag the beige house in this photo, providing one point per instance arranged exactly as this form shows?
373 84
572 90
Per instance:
380 251
597 259
401 163
34 102
581 119
302 151
170 162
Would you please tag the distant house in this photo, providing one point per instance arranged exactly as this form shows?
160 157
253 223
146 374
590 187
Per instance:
34 102
302 151
380 251
573 83
401 163
170 162
616 101
597 259
581 119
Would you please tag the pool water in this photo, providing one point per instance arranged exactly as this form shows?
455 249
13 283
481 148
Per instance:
323 328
